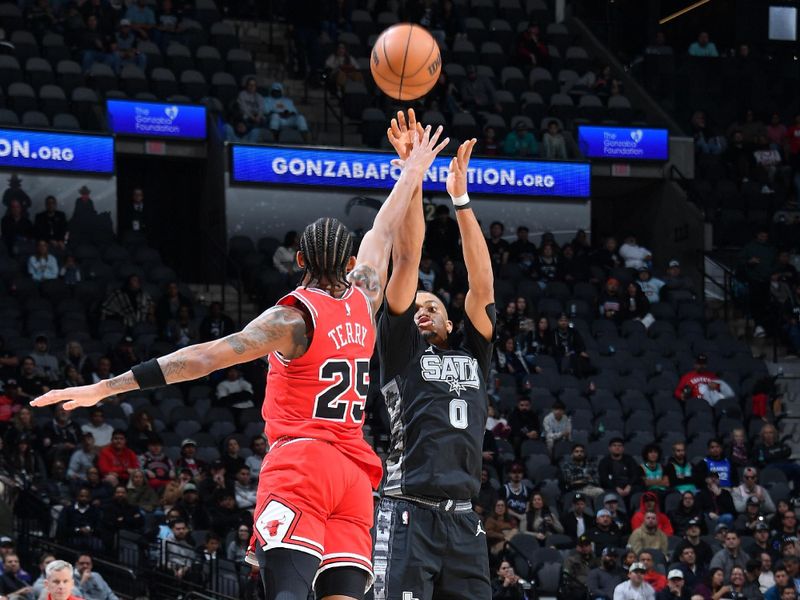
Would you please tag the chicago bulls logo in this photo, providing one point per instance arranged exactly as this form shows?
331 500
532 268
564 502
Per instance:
272 526
274 522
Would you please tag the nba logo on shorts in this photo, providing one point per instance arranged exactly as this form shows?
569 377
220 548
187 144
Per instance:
274 521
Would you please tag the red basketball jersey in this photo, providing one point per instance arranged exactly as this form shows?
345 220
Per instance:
322 394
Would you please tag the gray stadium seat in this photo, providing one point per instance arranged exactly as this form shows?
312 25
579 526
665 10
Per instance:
163 83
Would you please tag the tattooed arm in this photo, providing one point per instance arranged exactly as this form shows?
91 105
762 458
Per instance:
372 262
281 329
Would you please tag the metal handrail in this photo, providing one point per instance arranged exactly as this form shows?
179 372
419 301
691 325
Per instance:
329 106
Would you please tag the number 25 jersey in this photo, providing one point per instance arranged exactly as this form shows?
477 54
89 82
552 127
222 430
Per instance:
321 394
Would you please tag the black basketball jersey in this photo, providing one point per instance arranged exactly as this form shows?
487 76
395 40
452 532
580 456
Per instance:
437 405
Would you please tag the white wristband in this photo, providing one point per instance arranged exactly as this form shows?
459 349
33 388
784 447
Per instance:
462 200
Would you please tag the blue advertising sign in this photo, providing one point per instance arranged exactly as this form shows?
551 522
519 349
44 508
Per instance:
623 143
23 149
359 169
157 119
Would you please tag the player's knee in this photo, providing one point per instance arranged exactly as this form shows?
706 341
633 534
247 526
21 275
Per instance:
346 582
286 574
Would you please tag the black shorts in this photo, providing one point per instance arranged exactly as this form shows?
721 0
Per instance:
429 553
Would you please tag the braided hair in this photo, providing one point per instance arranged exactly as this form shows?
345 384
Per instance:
326 245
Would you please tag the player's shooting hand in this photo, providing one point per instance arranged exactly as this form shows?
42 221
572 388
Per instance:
457 177
75 397
424 150
401 133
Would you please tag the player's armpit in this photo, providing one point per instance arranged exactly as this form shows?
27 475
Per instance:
482 319
279 329
367 278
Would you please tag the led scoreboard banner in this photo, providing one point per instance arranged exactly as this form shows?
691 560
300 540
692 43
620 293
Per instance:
325 167
56 151
157 119
623 143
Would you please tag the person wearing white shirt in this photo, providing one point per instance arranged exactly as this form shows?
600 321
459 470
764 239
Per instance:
98 427
83 458
634 255
651 286
284 258
556 425
42 266
236 389
91 585
259 447
244 489
635 588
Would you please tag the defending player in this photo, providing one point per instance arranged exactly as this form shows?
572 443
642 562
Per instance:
428 541
314 508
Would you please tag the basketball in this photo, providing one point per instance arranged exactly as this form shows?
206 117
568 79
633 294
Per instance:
405 61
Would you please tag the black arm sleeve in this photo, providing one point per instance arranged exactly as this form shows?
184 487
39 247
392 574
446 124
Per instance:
398 341
477 345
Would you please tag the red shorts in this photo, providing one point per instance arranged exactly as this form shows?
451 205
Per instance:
313 498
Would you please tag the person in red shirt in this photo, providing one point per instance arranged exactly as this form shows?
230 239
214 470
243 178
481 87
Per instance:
651 576
315 508
649 503
117 458
59 581
688 385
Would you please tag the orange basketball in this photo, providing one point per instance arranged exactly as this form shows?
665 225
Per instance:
405 61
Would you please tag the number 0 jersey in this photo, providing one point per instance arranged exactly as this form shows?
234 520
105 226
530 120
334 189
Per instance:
321 395
437 407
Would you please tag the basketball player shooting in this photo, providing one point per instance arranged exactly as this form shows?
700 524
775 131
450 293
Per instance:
428 541
314 509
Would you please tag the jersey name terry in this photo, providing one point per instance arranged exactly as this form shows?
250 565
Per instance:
459 372
348 333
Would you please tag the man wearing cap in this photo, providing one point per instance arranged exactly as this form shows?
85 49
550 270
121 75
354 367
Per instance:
581 561
760 542
612 505
605 532
648 535
677 288
579 473
635 588
281 112
676 588
156 465
192 508
650 286
730 556
577 522
715 501
603 579
688 385
126 46
187 458
619 472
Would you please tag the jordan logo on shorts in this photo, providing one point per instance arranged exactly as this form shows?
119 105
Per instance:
408 596
274 522
480 529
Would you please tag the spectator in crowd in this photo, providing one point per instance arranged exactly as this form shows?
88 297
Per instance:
83 458
258 447
703 551
678 469
569 349
282 113
441 234
182 330
774 453
685 513
782 582
738 449
38 586
556 425
78 525
130 304
231 459
96 47
225 516
687 563
427 274
649 503
507 584
520 142
750 517
61 436
46 363
15 192
546 266
168 305
342 67
117 458
759 543
251 105
284 259
478 93
237 547
634 255
577 521
515 493
450 282
188 460
488 145
535 339
155 464
757 259
580 562
605 532
11 584
31 385
653 476
579 473
244 489
51 224
574 267
89 583
140 494
603 579
706 140
652 576
766 577
190 505
748 489
635 588
15 227
178 549
648 534
716 462
689 384
498 247
97 426
216 324
541 520
730 556
739 157
531 51
607 257
235 390
675 587
142 19
524 423
555 146
777 133
136 215
140 430
69 272
126 47
611 301
788 526
619 472
703 46
238 131
651 286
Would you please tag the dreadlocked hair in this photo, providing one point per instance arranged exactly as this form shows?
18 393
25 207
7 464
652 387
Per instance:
326 245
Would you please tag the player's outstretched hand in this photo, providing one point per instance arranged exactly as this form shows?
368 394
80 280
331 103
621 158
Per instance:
401 132
75 397
424 150
457 177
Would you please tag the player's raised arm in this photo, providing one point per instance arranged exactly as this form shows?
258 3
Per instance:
476 253
410 234
281 329
372 262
